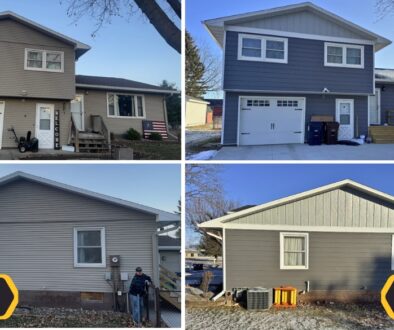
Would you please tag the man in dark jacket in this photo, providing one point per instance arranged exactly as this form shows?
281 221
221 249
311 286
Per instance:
138 289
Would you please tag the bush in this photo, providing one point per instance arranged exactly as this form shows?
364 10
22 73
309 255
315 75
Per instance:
155 136
132 134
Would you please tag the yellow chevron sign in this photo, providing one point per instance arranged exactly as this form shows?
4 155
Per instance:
9 297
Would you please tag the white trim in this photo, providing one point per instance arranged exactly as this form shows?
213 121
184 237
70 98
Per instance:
224 261
281 249
2 122
135 96
294 92
220 222
223 118
392 252
127 89
302 136
344 48
302 228
263 40
377 94
44 60
103 250
52 123
288 34
224 57
83 109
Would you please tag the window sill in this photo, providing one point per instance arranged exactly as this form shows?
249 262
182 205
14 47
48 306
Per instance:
294 268
90 266
44 70
254 59
344 66
125 117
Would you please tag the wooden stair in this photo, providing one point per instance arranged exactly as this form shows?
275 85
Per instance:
382 134
92 143
170 287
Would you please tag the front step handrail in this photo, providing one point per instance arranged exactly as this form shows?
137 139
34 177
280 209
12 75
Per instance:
75 133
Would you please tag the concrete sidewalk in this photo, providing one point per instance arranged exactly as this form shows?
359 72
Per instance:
307 152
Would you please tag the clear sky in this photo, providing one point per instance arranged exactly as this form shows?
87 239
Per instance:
128 48
361 12
251 184
156 185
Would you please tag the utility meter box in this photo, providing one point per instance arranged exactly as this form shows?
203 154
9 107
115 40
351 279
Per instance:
124 276
114 261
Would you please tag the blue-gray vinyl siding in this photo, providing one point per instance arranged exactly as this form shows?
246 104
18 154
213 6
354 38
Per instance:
253 260
315 105
304 72
386 100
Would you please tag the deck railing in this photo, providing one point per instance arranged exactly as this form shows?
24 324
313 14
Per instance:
74 134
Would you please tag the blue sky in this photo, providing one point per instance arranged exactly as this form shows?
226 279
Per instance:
359 12
128 48
156 185
261 183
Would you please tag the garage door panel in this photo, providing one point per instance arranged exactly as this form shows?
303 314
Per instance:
271 120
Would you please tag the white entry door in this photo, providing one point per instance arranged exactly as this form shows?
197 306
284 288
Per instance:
2 109
374 108
45 125
78 112
271 120
345 118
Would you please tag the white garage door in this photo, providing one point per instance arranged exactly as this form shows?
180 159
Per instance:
271 120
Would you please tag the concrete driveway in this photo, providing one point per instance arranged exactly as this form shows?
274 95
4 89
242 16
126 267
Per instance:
307 152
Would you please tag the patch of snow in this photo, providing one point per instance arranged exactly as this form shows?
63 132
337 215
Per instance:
203 155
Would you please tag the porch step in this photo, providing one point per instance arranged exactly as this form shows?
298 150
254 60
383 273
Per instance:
175 301
93 144
382 134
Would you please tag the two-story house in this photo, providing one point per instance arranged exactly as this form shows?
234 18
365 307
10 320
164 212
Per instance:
40 92
284 65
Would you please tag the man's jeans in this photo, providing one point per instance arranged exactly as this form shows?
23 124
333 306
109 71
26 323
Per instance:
137 303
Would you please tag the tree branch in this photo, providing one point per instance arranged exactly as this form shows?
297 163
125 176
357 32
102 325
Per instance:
176 7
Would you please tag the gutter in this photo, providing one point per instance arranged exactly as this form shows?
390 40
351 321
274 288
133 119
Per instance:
148 90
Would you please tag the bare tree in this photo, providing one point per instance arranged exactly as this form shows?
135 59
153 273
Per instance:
104 10
384 8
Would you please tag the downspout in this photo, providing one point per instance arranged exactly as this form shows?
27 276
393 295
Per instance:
155 260
223 267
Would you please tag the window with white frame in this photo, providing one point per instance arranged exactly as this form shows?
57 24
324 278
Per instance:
294 250
262 48
89 247
126 105
351 56
44 60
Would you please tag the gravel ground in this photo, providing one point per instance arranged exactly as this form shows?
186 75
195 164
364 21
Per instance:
200 136
66 318
337 316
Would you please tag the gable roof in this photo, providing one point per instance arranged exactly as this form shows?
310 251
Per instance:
216 27
220 222
118 84
80 47
384 75
168 242
161 216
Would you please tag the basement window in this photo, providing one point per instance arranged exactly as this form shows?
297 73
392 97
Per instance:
294 250
125 105
89 247
44 60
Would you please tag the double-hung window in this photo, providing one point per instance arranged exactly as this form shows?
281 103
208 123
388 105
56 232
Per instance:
89 247
126 105
341 55
44 60
262 48
294 251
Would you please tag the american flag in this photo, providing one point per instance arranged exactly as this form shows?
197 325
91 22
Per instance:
150 126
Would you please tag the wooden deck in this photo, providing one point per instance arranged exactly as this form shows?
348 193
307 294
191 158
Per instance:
382 134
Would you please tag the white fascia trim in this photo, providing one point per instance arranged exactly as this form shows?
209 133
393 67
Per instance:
223 118
282 235
288 34
114 88
344 48
161 216
293 92
392 252
382 81
224 261
301 228
169 248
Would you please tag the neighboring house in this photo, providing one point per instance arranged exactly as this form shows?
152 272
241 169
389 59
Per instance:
40 91
196 111
216 106
56 241
383 100
336 241
191 253
284 65
170 253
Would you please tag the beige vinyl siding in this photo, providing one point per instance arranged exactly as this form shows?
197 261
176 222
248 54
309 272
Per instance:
95 102
336 208
36 237
14 39
21 114
337 261
196 113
